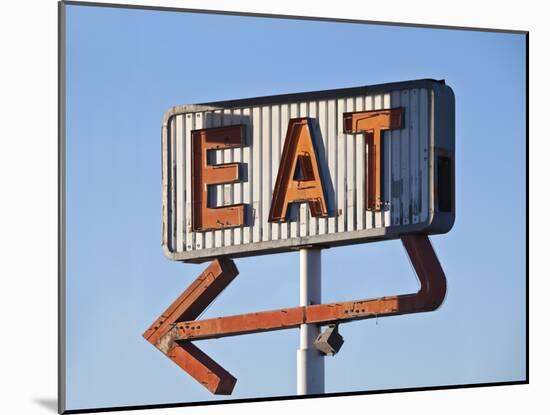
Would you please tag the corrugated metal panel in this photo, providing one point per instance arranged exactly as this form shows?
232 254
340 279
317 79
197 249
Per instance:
406 170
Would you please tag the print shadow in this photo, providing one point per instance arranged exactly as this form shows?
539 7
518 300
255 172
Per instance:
48 403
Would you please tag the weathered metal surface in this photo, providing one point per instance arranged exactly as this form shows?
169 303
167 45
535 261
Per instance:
202 368
174 330
210 283
429 297
286 318
409 170
298 178
188 306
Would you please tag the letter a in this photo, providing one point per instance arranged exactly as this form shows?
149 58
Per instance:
298 178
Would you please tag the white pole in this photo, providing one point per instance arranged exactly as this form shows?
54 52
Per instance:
310 363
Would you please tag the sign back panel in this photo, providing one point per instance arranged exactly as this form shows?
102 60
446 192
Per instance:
414 172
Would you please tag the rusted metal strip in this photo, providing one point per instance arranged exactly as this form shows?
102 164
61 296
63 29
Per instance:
431 294
433 285
285 318
202 368
209 284
429 297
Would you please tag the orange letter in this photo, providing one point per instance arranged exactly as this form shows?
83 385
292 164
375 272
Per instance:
372 123
298 185
204 174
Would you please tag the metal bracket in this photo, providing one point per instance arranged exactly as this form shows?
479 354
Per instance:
329 342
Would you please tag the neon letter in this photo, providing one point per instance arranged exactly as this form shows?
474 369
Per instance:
204 175
372 123
298 179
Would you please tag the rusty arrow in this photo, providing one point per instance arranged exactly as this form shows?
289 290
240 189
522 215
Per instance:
173 331
162 333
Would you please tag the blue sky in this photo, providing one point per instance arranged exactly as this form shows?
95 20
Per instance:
126 67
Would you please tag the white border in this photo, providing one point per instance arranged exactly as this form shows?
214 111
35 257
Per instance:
28 74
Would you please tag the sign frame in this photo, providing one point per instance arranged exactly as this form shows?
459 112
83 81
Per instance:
441 174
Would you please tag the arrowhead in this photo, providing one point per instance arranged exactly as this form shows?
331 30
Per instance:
199 295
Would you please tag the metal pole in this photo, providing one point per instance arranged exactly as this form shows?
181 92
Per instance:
310 363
